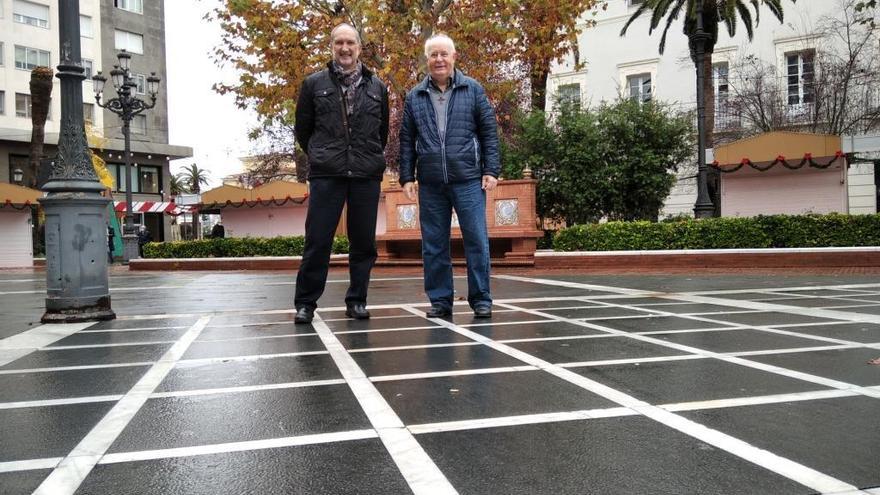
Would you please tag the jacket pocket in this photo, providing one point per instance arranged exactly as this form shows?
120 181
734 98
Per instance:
325 101
476 152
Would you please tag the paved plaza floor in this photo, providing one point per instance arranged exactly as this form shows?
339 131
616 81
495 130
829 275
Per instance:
579 384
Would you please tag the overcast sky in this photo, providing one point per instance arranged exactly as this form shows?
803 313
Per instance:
198 117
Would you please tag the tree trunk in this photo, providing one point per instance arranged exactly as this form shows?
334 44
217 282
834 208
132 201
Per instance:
41 97
538 80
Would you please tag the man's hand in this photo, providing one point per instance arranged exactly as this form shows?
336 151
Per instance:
410 190
489 182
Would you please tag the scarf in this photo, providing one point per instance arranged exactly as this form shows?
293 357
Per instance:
350 80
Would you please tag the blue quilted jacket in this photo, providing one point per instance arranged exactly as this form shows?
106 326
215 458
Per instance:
470 149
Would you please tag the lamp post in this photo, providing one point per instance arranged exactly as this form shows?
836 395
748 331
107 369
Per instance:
77 282
126 105
703 208
17 176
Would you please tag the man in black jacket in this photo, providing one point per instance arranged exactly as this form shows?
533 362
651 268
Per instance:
342 125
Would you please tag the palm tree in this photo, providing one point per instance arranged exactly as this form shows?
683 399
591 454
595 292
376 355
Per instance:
41 98
176 185
193 178
714 13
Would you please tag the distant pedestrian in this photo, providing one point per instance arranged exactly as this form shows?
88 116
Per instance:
144 237
110 236
218 231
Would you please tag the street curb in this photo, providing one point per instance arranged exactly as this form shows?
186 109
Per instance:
584 261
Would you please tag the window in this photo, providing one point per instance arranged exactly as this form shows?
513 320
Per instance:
88 67
33 14
569 94
85 26
136 6
89 113
22 105
139 124
141 81
118 171
2 102
131 42
721 82
639 87
29 58
148 179
725 117
800 77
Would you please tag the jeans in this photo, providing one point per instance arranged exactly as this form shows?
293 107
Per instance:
436 202
327 196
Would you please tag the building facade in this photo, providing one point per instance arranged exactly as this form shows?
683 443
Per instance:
29 37
631 67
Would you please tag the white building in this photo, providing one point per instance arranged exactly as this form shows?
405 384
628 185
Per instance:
631 66
29 37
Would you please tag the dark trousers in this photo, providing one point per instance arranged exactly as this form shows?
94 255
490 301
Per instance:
327 196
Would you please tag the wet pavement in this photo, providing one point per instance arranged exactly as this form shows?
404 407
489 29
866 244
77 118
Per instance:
579 384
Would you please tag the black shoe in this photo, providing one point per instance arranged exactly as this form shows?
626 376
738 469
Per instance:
483 311
438 311
357 311
304 315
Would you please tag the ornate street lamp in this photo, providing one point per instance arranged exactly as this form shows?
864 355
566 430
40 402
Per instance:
703 208
126 105
77 282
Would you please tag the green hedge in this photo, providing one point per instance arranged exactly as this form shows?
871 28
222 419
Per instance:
233 247
775 231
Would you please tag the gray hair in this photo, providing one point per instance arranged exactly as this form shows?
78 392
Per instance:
349 26
439 37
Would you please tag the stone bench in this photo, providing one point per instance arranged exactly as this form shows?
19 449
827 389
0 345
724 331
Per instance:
510 217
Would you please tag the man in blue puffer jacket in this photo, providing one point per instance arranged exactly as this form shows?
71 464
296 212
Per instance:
449 142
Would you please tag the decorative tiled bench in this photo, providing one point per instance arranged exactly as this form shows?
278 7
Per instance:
510 216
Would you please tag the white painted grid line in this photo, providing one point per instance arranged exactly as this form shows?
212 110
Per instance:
30 464
59 402
271 443
70 472
417 468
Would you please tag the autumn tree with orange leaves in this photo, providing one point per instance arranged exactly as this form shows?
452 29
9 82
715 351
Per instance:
507 45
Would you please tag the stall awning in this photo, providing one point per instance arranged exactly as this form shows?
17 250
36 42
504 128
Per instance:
791 150
17 197
151 207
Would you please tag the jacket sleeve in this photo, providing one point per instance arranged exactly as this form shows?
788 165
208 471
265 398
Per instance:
487 128
385 117
304 125
408 136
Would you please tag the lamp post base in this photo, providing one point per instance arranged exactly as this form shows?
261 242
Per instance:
704 210
77 283
97 312
130 248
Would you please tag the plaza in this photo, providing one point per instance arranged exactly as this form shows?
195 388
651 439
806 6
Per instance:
617 383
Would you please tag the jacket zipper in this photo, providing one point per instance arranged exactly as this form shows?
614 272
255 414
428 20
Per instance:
443 141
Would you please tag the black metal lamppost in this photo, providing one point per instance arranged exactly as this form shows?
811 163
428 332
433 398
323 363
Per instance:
77 281
126 105
703 208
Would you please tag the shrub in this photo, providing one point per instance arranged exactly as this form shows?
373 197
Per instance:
793 231
236 247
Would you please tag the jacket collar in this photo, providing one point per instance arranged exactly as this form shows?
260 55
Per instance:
457 79
365 72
